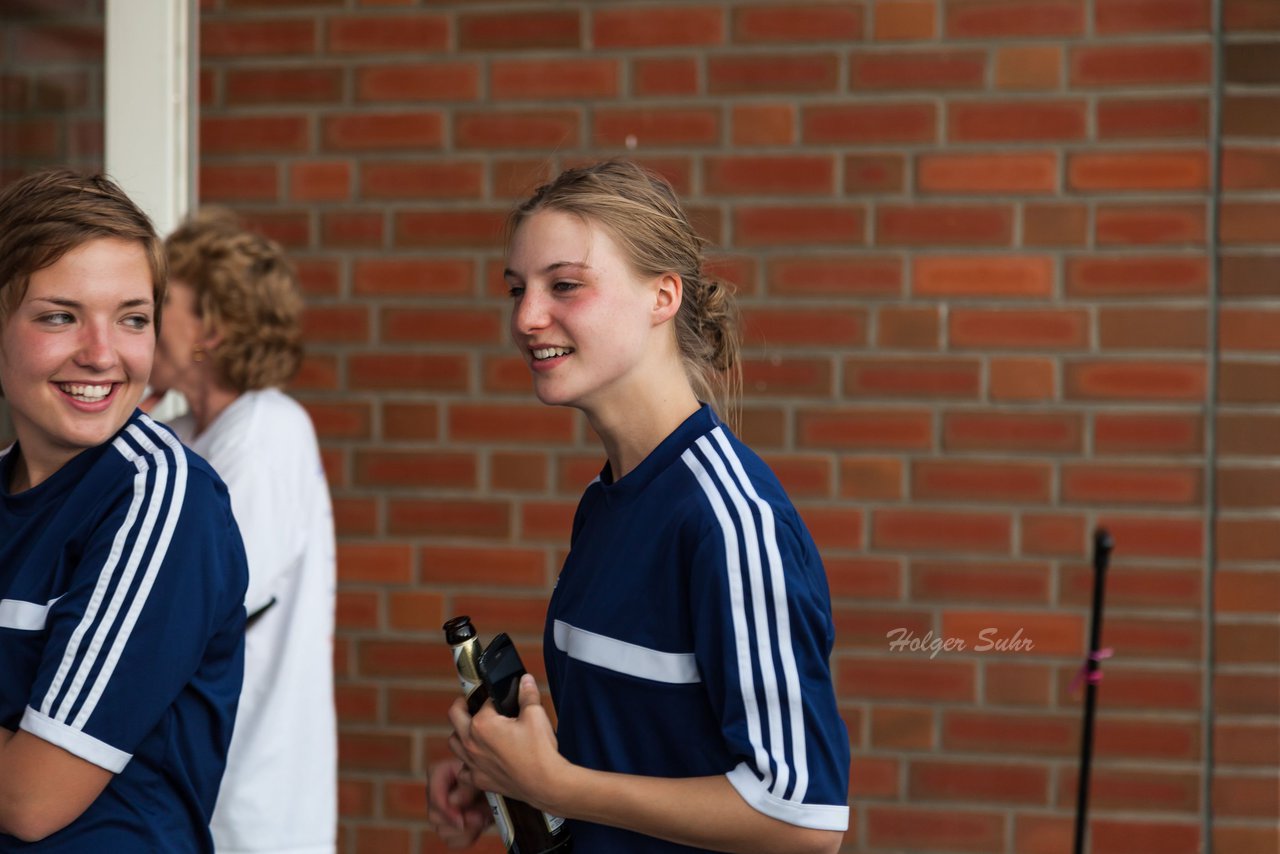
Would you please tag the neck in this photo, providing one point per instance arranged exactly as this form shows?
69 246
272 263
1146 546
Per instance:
208 403
630 433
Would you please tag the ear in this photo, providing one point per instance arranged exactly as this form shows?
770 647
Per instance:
667 297
211 336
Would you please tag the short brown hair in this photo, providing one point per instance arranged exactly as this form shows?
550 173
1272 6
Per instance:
49 213
246 289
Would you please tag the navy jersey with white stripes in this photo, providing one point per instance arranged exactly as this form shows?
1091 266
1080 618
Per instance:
122 582
690 633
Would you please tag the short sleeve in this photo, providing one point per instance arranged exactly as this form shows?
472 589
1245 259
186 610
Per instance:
161 574
763 640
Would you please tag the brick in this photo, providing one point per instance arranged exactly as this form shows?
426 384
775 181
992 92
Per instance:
354 517
1248 382
553 79
254 135
796 23
1009 684
320 181
835 275
1042 329
833 527
449 229
1248 434
1137 276
432 81
1104 65
518 472
944 225
1152 329
1016 633
1137 588
1052 534
953 581
1011 733
982 276
871 478
515 30
1047 432
357 610
934 378
909 676
353 229
407 420
934 780
1253 115
1152 118
388 34
862 429
1140 689
1017 121
355 797
311 85
1242 743
1246 796
987 174
319 276
1147 433
374 563
918 828
432 325
1160 639
1250 63
316 373
918 69
908 328
1022 378
763 124
808 476
374 752
1114 789
1247 643
874 173
417 372
1054 224
340 419
860 124
1246 694
936 530
425 469
448 179
489 422
1116 484
1243 223
774 74
1244 592
1138 837
518 614
1141 225
1243 488
281 37
984 481
905 20
879 779
664 77
236 182
516 178
506 374
791 225
792 175
788 377
548 522
44 43
1139 170
658 26
1127 17
403 276
1243 15
385 840
544 129
1028 68
454 518
335 323
1161 537
672 126
1009 18
1250 169
488 565
776 327
867 628
904 727
383 131
356 703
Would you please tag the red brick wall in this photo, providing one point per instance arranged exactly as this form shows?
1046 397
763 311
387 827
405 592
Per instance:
977 244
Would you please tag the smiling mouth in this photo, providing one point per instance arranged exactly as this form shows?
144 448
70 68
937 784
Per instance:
86 393
541 354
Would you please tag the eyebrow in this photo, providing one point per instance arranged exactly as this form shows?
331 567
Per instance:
553 267
64 302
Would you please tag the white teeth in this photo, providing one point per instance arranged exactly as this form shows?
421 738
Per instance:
551 352
86 393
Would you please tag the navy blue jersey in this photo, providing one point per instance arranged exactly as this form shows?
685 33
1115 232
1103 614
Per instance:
689 635
122 582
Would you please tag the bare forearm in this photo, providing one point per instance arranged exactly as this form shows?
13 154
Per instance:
703 812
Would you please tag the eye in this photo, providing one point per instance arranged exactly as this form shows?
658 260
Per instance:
563 287
515 291
57 318
137 321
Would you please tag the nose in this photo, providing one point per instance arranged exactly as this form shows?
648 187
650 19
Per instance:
529 313
97 349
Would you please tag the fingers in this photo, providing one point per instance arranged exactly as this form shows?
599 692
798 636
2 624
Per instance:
529 695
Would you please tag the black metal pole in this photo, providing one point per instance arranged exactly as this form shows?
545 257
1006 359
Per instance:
1102 545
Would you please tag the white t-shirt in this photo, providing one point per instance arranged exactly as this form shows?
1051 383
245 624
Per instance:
279 793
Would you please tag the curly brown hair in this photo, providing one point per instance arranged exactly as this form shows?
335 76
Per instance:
247 290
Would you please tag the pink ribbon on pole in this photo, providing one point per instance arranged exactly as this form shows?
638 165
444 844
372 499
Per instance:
1083 673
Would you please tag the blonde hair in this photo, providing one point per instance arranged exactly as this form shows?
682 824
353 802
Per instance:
642 214
247 290
49 213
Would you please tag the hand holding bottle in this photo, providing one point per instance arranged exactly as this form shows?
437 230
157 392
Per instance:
456 811
513 756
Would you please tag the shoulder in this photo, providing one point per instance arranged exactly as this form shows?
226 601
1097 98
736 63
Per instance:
726 472
154 451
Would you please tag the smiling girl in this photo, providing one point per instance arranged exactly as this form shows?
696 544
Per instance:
688 637
122 573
